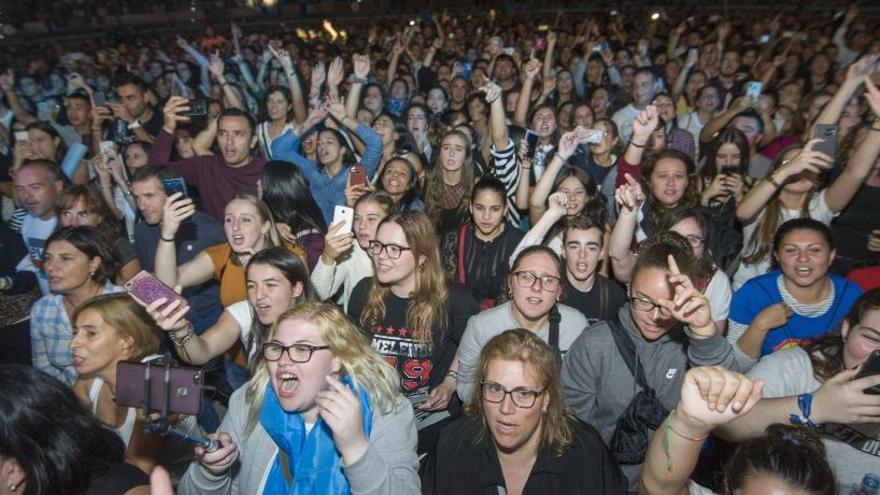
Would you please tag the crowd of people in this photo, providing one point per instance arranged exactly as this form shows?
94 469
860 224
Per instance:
605 253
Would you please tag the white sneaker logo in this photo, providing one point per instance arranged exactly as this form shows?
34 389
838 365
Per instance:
670 373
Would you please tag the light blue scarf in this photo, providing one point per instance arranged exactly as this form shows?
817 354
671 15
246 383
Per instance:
312 457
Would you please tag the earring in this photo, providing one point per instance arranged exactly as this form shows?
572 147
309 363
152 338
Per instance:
92 273
13 487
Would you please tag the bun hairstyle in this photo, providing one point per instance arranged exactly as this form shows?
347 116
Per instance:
794 455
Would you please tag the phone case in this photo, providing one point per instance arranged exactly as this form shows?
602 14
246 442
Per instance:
531 142
871 367
184 390
174 185
830 135
343 213
358 175
146 288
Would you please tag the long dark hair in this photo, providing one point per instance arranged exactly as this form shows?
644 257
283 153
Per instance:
293 269
704 264
59 444
286 191
61 149
729 135
412 186
264 105
690 196
92 243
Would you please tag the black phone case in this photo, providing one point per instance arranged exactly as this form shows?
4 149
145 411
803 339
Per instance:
185 387
871 368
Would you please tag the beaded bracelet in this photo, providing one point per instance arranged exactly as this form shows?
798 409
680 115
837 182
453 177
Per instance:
667 427
181 341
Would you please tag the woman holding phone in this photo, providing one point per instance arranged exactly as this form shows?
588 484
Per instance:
821 384
323 414
109 329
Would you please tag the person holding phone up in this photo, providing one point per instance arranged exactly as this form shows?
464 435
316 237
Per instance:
820 385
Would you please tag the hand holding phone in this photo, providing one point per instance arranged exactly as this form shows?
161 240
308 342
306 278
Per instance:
357 176
753 91
531 143
146 289
345 215
871 367
829 134
175 185
198 107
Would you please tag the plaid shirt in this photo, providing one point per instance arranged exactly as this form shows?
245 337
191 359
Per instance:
51 332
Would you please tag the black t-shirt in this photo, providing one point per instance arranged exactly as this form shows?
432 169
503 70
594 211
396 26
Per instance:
118 479
486 263
601 303
465 462
855 223
422 365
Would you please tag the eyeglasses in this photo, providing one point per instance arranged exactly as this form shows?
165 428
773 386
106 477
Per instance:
393 251
298 353
527 280
695 240
523 397
647 306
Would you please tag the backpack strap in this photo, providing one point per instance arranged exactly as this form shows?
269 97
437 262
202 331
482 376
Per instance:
603 299
627 349
555 318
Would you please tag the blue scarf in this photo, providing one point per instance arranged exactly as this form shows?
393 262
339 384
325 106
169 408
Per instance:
312 457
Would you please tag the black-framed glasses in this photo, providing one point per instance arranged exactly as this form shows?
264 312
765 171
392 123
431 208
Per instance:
695 240
393 251
526 280
647 306
298 353
523 397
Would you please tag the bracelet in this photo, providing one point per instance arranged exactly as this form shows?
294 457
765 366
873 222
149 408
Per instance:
525 168
359 80
667 427
181 341
164 239
637 145
772 181
805 404
5 283
452 374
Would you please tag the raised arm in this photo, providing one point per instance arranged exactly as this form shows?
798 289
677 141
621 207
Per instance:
497 118
678 87
537 203
7 82
195 349
296 92
361 65
715 125
523 185
531 69
548 54
194 272
629 198
205 138
860 164
756 199
856 75
396 51
557 203
644 125
335 73
216 68
711 396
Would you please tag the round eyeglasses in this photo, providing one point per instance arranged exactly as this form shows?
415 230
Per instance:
298 353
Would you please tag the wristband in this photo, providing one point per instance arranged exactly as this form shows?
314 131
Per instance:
134 125
181 341
805 404
637 145
164 239
359 80
772 181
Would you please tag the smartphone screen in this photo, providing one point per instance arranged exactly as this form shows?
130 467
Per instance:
753 90
21 136
197 108
531 143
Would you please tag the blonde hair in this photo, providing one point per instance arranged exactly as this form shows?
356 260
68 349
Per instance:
428 303
362 364
526 347
128 318
272 238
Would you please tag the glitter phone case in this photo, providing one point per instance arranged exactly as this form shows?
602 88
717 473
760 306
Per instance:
146 289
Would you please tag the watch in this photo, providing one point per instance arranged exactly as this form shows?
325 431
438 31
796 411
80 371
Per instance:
134 125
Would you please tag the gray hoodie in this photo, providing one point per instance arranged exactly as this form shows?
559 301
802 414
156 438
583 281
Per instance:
598 386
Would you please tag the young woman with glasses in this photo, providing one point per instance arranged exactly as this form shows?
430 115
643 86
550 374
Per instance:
520 434
668 326
535 287
413 316
323 414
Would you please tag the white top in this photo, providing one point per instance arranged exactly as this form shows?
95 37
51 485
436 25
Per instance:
818 210
345 273
691 123
127 427
265 140
719 294
243 314
35 231
624 119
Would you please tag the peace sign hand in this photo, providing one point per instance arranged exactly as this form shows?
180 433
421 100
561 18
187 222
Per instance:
688 305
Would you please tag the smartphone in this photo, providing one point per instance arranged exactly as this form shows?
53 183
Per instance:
729 170
151 386
357 175
507 51
175 185
343 214
830 135
600 47
21 136
100 99
106 147
753 90
197 108
467 69
531 143
871 367
764 39
693 52
145 288
594 136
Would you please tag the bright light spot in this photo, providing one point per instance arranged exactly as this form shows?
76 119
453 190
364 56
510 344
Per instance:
655 16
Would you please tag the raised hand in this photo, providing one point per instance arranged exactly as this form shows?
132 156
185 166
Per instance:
872 96
341 410
172 316
712 396
283 58
335 73
842 399
862 69
336 243
171 114
557 205
532 68
176 210
688 305
319 73
629 197
216 66
808 160
336 108
645 124
492 92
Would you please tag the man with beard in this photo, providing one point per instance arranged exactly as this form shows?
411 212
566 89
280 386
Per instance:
217 177
505 73
646 85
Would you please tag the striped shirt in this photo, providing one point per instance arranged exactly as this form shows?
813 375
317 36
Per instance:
505 166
